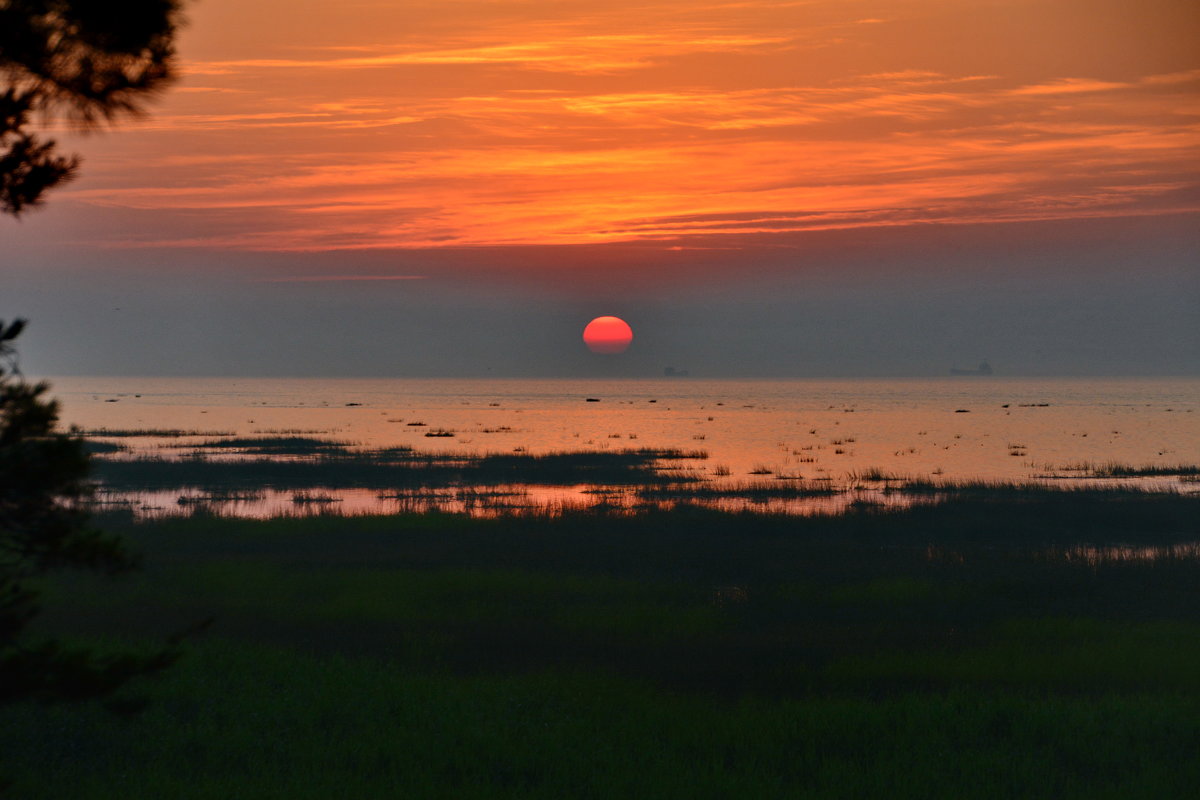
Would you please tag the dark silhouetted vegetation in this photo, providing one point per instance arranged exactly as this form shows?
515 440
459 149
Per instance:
149 433
751 490
44 526
963 649
1113 469
336 466
273 445
86 61
1009 489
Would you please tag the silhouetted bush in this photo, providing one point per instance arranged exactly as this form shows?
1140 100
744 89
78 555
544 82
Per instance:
44 526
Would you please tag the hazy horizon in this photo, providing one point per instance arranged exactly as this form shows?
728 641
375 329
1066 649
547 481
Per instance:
842 314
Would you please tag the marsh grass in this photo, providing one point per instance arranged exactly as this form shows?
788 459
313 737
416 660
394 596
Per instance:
259 722
1114 469
954 650
98 448
305 463
780 489
157 433
527 590
412 481
222 497
1000 489
334 467
272 445
876 475
314 498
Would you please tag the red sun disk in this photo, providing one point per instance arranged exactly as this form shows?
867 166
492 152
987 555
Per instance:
608 335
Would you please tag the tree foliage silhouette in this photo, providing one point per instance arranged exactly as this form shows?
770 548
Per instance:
88 62
44 526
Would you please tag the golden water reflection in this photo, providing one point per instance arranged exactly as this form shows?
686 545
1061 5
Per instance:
494 501
863 439
964 428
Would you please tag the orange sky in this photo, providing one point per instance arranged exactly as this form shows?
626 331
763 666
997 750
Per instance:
311 126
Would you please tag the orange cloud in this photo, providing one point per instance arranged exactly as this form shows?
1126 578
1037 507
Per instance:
516 123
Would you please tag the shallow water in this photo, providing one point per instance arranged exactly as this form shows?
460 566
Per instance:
949 428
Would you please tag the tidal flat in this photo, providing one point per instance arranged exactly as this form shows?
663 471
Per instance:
993 644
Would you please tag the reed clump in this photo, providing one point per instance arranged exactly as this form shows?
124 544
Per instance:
271 445
744 490
156 433
1114 469
333 465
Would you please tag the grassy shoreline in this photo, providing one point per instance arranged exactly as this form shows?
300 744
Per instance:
954 650
253 722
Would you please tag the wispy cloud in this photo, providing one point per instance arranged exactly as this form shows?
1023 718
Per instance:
583 54
1069 86
667 122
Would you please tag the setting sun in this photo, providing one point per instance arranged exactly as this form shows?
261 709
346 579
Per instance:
608 335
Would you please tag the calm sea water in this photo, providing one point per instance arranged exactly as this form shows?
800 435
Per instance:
969 427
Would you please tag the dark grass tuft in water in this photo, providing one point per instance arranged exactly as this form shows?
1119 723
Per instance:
161 433
272 445
1013 489
750 490
1113 469
98 448
388 468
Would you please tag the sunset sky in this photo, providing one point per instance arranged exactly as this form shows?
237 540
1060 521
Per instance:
751 181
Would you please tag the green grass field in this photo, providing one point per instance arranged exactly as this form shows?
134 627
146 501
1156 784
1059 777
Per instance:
959 650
